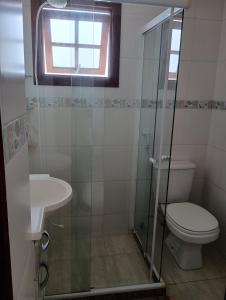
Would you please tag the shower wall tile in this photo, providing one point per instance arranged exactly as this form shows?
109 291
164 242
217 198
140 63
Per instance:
58 132
58 162
81 164
81 204
125 130
97 226
117 163
115 224
116 197
98 198
98 164
37 160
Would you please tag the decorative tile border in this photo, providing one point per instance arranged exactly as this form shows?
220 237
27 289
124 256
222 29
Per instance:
57 102
15 135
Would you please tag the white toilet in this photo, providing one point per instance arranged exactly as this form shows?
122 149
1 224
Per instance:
191 226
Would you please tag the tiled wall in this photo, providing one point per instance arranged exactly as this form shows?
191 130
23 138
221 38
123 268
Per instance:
199 133
89 136
215 186
13 109
200 45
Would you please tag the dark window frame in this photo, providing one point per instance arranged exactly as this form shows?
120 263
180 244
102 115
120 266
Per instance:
114 51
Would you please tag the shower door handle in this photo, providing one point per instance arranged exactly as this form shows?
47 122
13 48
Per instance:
152 160
165 157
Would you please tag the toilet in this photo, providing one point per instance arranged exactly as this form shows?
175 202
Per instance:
190 225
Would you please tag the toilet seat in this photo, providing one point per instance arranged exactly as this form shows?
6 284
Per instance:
192 223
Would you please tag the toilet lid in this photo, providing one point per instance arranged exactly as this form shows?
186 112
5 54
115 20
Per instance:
191 217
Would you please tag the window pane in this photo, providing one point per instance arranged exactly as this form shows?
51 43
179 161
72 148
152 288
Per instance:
90 33
63 57
89 58
176 38
62 31
174 60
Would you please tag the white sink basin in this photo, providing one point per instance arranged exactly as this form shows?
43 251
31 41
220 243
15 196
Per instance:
47 194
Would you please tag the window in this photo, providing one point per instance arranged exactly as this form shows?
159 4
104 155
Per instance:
80 45
174 53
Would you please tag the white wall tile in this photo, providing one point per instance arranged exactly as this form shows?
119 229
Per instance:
18 195
196 80
98 164
58 162
98 198
125 130
184 80
98 126
193 153
179 127
97 226
115 224
130 80
222 47
116 195
217 137
208 9
117 163
220 87
55 126
81 164
203 47
196 127
81 204
202 80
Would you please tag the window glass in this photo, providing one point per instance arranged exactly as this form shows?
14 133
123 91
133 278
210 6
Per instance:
90 33
62 31
174 60
63 57
176 38
89 58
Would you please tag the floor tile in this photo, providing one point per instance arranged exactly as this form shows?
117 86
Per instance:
200 290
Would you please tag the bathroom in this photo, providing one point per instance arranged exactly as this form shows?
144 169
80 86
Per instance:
113 177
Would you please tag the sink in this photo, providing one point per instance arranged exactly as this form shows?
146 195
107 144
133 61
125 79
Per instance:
48 192
47 195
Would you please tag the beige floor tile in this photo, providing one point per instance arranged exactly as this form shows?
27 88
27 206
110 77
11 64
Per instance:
200 290
118 270
214 266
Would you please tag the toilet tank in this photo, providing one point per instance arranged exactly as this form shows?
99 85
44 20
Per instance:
180 181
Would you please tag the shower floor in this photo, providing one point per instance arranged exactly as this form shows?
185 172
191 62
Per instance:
117 261
112 261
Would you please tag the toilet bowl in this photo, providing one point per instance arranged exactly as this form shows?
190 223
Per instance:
191 227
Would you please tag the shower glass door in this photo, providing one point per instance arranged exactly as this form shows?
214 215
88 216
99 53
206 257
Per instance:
152 45
161 60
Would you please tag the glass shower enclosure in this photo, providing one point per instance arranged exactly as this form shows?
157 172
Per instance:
62 143
160 74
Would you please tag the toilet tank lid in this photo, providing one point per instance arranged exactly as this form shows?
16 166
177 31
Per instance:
176 165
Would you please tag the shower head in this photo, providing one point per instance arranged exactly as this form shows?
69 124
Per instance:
57 3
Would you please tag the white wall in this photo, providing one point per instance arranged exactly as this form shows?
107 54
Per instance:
13 109
95 148
215 187
200 45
